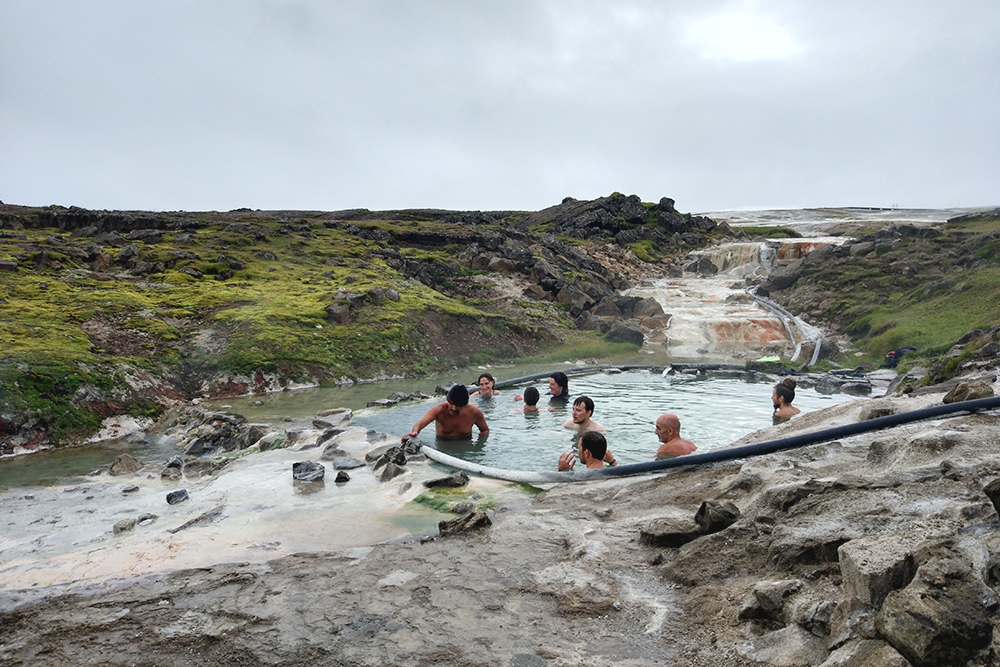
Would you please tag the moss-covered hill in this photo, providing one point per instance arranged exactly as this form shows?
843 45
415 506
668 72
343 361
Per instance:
105 312
904 285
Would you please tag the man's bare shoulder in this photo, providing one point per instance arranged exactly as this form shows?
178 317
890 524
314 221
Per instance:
676 447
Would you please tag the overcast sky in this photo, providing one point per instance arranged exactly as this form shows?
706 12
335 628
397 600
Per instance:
464 104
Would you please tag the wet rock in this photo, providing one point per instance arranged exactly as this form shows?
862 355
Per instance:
342 478
455 479
394 454
669 532
856 387
714 515
131 488
146 519
464 507
346 463
942 617
377 453
381 403
464 524
332 451
124 464
177 496
391 470
308 471
123 526
968 391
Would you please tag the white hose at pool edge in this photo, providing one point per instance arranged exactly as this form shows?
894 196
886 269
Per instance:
521 476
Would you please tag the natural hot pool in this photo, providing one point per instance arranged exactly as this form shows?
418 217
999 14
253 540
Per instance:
714 412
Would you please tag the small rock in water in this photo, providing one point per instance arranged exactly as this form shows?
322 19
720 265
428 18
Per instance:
391 470
342 478
464 507
29 496
178 496
131 488
308 471
258 402
146 519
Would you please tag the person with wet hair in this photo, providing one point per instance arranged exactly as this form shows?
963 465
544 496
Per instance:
583 410
668 432
486 383
592 449
781 398
558 388
531 401
454 418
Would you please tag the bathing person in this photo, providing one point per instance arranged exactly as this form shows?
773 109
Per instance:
668 431
781 398
592 450
486 383
455 417
531 401
583 409
558 388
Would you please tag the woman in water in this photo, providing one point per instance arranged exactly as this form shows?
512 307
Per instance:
781 398
558 388
486 383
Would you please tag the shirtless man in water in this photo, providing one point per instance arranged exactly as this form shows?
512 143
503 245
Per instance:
454 418
668 430
583 409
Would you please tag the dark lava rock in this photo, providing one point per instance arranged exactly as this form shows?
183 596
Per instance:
177 496
455 479
308 471
463 524
391 470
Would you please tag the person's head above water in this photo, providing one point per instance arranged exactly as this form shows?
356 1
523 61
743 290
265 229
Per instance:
531 396
488 385
595 443
784 392
584 407
458 395
668 427
559 384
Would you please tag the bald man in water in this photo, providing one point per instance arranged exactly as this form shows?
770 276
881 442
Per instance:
668 430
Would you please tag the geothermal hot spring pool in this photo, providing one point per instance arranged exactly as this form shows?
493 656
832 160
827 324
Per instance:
714 412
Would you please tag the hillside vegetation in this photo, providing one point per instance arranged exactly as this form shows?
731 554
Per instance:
121 312
925 287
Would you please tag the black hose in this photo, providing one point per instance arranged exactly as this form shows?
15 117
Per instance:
795 441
